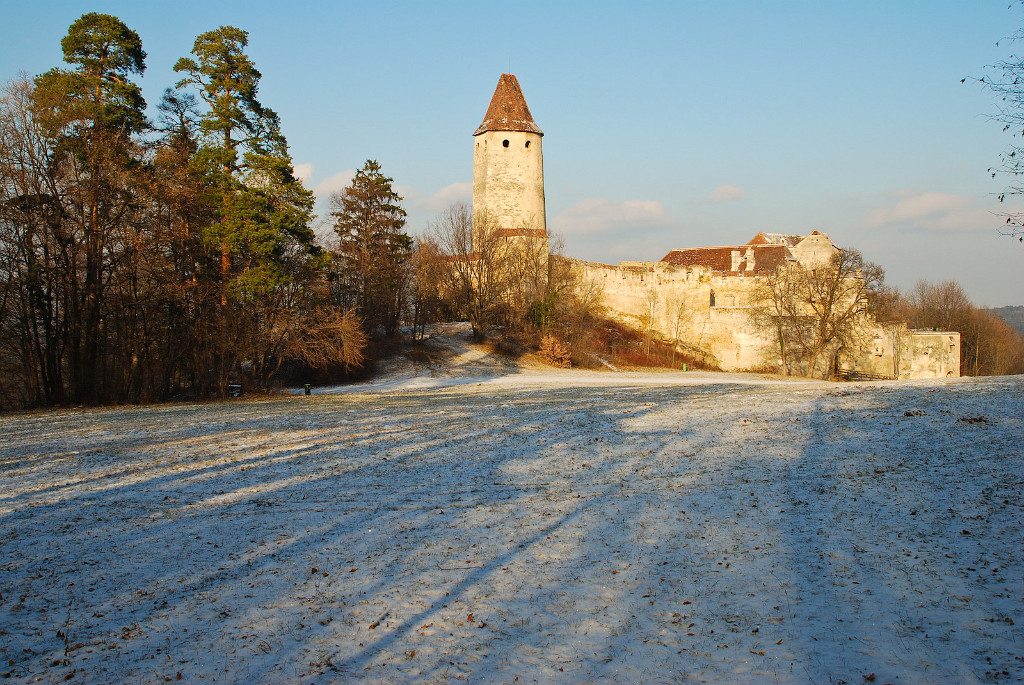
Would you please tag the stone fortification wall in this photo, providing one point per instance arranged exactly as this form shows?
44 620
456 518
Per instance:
706 312
709 313
898 352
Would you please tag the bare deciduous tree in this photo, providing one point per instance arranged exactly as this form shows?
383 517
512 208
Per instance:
818 314
578 303
776 299
429 267
477 279
988 345
941 306
329 338
1006 80
652 300
681 315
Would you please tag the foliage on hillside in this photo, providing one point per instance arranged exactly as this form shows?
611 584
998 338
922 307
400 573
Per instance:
1011 315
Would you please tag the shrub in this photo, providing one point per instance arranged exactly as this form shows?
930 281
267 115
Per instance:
554 352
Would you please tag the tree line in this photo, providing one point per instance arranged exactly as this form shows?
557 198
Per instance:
143 260
149 260
989 345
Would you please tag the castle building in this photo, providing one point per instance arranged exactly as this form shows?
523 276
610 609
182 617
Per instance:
705 300
508 170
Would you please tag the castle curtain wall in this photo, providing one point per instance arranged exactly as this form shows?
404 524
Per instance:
678 303
710 313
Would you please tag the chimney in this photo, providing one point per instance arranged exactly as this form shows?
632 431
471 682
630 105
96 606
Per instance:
750 258
736 259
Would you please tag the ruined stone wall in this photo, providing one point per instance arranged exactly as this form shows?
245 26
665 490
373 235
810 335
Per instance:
933 354
881 356
898 352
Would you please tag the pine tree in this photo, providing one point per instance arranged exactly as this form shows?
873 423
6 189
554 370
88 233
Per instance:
370 269
91 114
261 227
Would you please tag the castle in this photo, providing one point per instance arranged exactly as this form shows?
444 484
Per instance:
707 301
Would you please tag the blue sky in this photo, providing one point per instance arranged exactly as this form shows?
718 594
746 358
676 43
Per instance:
667 124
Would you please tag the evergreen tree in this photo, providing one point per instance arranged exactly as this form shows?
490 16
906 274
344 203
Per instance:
261 228
90 114
97 96
370 270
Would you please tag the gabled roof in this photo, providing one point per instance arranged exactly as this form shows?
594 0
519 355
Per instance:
508 110
763 238
786 239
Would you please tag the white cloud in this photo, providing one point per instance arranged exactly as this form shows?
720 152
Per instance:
338 181
594 215
303 172
726 193
918 207
454 192
934 212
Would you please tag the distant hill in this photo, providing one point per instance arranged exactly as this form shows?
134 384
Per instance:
1013 316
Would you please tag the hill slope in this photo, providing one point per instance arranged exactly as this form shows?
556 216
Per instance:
1012 315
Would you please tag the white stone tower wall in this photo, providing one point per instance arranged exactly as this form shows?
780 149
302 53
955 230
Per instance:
508 181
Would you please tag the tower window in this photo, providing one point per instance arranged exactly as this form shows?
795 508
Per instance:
527 143
504 143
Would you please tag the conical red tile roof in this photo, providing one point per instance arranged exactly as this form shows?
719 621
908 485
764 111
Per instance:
508 110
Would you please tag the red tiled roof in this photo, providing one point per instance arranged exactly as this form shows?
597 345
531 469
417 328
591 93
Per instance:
508 110
766 257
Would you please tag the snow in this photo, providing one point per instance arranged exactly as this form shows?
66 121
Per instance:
551 526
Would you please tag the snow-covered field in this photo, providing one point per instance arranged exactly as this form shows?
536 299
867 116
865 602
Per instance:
519 527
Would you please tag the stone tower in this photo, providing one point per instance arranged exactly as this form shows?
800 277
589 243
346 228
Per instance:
508 170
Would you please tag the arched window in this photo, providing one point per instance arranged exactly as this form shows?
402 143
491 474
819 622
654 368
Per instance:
527 143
